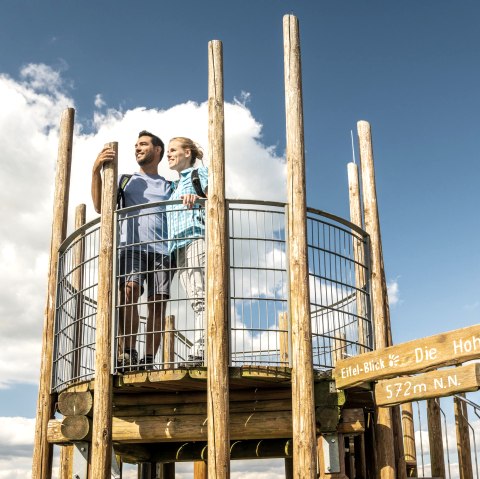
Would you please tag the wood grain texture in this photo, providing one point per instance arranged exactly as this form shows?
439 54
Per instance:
42 450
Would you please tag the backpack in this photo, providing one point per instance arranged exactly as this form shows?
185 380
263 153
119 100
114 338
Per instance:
197 186
124 179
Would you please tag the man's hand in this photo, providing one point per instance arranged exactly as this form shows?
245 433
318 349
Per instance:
106 155
189 200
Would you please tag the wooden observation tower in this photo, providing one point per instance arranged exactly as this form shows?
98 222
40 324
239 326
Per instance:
291 292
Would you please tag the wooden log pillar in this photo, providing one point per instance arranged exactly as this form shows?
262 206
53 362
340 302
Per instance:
437 459
169 342
217 276
409 439
283 327
200 470
102 400
77 282
356 218
383 418
42 450
463 438
303 407
66 462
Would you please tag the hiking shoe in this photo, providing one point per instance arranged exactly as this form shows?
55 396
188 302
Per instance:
127 361
146 363
194 361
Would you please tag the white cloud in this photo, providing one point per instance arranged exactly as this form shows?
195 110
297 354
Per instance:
29 118
393 291
99 102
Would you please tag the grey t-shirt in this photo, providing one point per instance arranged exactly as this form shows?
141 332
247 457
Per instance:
146 228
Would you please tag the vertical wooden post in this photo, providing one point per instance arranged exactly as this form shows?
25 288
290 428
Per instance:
303 408
463 439
102 401
409 439
437 459
66 462
383 418
42 450
77 281
283 326
200 470
217 276
288 468
358 251
169 342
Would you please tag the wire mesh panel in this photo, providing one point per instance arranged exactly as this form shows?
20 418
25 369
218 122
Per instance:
339 300
258 284
161 287
160 290
76 307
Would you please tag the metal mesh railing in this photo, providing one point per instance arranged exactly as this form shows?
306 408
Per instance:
339 298
76 306
258 284
160 322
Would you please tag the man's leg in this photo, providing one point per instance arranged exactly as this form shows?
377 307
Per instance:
129 319
155 324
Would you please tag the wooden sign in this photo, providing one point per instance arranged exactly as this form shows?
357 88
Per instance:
453 347
443 382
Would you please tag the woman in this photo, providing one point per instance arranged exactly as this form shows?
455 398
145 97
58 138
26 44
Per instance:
186 229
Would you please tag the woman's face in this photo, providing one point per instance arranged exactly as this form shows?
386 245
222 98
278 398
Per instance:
179 158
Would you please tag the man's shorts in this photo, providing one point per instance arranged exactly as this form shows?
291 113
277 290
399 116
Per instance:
139 266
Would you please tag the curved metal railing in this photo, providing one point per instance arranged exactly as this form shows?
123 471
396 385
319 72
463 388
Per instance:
258 293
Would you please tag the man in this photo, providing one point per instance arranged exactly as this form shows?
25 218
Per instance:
143 249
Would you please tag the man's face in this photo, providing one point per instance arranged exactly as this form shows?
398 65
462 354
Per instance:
145 151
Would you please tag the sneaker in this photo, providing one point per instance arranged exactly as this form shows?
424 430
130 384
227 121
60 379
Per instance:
194 361
127 361
146 363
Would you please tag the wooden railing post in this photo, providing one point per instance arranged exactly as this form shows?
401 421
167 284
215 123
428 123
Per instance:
437 459
169 342
383 418
356 218
102 401
77 282
463 438
42 450
217 276
409 439
303 407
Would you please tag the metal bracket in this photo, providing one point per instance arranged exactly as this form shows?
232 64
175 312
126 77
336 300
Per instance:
80 460
331 453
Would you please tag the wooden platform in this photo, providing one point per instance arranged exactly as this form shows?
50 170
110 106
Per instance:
170 406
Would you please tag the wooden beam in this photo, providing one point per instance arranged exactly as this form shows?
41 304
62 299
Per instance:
217 274
408 426
303 410
437 459
440 383
359 255
419 355
42 450
102 402
383 418
75 403
66 462
200 470
463 439
258 425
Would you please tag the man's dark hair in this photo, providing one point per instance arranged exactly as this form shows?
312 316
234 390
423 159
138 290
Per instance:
155 140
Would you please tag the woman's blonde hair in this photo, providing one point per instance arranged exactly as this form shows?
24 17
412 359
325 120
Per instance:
195 148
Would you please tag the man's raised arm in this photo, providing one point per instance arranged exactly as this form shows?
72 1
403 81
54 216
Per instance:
106 155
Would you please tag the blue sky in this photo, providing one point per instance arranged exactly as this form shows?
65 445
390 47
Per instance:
410 68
